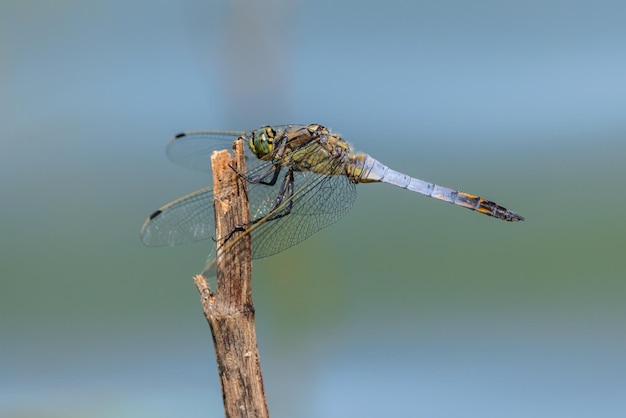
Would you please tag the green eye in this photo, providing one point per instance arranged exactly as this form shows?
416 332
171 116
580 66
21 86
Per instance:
261 142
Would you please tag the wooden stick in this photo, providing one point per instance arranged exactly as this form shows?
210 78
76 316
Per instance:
229 310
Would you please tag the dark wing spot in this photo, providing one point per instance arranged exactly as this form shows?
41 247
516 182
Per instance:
180 135
155 214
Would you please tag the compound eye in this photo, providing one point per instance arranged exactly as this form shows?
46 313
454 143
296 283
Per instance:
271 133
261 142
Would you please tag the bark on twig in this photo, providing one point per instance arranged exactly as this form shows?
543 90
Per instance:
229 310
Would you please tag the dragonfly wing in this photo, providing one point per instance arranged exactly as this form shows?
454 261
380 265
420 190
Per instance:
189 218
193 149
321 203
318 200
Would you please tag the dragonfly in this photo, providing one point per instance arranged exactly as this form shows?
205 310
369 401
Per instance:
301 179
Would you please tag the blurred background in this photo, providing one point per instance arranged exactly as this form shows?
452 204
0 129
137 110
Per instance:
407 306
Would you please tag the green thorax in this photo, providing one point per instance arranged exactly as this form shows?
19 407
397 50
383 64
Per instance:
307 148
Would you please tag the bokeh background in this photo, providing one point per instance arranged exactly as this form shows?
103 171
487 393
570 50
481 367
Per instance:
407 306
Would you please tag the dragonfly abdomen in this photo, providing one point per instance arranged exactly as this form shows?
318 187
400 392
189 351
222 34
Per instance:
367 169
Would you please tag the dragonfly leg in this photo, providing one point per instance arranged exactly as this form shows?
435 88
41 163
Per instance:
286 190
285 194
273 171
284 201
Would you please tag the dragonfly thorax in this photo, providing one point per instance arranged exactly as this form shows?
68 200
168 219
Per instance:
261 142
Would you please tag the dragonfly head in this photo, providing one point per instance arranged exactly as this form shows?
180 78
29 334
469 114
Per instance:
262 142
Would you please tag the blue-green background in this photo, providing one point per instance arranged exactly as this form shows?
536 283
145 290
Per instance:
407 306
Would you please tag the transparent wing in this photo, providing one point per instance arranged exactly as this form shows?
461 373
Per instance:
193 149
318 199
189 218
